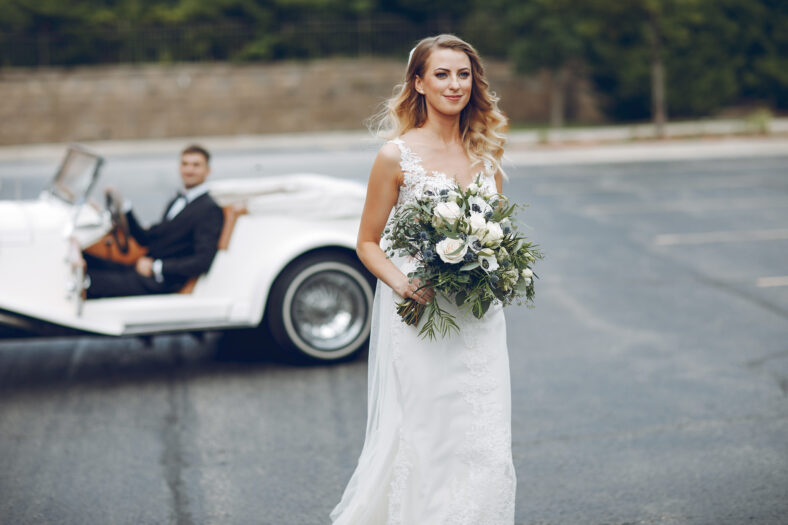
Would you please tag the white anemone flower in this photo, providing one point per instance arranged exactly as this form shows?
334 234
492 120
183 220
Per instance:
475 244
479 205
488 263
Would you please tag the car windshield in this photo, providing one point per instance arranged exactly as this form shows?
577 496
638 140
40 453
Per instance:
76 175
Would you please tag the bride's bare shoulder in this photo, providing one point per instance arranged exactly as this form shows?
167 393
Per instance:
389 154
387 165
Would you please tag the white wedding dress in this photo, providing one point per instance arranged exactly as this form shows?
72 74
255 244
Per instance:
438 439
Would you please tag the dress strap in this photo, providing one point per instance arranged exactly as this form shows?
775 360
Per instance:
409 162
488 168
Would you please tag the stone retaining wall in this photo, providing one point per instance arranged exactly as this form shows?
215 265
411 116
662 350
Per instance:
155 101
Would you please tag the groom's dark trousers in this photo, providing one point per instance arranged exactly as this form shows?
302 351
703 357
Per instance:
186 245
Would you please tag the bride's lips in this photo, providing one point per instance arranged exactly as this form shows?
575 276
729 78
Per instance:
453 98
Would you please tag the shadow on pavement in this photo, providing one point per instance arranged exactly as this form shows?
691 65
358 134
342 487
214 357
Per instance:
29 363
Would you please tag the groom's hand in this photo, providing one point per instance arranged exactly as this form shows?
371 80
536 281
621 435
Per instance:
144 266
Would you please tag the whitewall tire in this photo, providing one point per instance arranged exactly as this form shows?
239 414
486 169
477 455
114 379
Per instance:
320 306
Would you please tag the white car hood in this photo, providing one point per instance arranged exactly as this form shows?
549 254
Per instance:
21 221
15 227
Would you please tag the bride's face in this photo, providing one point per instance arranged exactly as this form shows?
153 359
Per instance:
447 81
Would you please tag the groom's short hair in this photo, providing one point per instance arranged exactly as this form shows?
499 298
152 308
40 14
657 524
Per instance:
195 148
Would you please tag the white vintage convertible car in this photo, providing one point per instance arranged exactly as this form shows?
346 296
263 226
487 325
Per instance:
286 263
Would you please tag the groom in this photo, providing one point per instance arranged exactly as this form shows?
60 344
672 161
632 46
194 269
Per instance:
180 247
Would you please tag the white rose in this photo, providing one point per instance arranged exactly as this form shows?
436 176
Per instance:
473 188
527 281
446 213
476 224
478 205
527 272
451 251
488 263
493 234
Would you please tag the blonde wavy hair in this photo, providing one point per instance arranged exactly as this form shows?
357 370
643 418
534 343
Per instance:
482 124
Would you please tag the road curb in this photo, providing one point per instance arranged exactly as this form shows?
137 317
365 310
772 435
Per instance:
657 151
524 147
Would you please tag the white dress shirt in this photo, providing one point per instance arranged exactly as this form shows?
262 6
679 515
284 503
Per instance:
184 198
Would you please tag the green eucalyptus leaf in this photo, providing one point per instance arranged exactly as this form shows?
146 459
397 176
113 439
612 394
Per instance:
486 306
460 297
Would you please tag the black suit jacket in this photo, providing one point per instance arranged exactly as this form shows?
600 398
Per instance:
186 244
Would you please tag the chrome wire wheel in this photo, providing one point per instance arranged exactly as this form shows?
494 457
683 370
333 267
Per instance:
325 306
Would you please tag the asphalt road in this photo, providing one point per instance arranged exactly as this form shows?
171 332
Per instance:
650 383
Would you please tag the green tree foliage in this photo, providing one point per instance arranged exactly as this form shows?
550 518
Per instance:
715 52
549 35
756 48
711 53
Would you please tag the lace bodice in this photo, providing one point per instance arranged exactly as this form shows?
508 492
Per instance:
417 180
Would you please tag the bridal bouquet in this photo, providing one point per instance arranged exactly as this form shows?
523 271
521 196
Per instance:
467 249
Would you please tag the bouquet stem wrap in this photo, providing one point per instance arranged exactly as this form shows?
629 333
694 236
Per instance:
411 311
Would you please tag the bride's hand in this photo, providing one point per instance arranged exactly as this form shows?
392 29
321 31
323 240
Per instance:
412 289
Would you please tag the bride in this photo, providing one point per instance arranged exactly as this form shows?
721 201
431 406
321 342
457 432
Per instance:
438 438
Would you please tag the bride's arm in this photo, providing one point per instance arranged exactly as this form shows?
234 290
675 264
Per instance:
382 192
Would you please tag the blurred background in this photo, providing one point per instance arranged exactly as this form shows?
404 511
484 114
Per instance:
124 69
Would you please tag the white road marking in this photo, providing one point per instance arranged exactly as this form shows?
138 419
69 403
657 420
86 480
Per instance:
672 239
765 282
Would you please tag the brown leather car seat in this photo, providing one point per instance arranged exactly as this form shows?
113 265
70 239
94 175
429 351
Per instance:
231 214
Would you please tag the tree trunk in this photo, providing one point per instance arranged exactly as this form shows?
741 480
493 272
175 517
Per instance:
560 80
658 106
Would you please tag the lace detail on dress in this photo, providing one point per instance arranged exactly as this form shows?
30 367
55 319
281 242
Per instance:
403 464
487 445
494 507
416 180
396 335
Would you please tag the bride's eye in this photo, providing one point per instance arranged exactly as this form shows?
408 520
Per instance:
465 74
441 74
